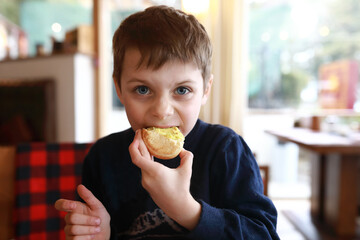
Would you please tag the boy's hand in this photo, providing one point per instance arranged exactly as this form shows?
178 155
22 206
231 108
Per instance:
88 220
169 188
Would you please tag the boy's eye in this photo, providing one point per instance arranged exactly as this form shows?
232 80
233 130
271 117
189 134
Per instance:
142 90
182 90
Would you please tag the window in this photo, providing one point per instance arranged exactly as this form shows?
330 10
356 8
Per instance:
43 20
290 42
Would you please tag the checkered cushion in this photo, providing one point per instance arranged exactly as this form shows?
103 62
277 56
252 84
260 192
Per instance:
45 173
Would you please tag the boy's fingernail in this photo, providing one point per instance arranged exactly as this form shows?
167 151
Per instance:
97 230
97 221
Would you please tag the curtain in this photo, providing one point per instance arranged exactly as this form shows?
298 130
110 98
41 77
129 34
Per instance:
225 22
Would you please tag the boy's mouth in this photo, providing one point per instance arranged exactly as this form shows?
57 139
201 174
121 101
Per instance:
163 126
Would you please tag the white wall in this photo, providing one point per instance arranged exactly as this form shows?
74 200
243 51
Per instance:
285 180
116 121
282 158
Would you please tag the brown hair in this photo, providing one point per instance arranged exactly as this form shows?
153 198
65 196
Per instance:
162 34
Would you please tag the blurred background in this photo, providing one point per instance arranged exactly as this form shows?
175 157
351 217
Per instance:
277 65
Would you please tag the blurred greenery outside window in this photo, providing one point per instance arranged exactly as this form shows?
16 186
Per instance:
289 41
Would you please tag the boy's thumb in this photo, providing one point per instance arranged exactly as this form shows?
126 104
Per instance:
89 198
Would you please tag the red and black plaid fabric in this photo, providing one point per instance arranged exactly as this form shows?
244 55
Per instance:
45 173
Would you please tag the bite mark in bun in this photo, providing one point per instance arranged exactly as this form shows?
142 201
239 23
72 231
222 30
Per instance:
163 143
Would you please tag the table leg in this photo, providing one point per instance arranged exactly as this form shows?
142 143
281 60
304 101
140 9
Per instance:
341 188
317 185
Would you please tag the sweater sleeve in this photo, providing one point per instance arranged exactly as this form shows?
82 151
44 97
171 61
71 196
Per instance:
237 208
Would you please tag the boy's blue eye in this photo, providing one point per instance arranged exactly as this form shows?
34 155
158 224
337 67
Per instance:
142 90
182 90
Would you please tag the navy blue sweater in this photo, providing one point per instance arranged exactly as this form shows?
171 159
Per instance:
225 180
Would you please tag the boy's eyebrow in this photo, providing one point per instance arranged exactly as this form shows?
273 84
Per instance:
186 81
138 80
134 80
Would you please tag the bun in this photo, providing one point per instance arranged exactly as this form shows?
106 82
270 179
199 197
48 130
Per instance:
163 143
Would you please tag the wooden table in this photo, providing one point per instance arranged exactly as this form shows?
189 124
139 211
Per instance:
334 180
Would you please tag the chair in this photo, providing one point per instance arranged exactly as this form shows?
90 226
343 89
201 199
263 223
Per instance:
7 156
264 171
44 173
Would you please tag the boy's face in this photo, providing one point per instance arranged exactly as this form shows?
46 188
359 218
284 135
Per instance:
169 96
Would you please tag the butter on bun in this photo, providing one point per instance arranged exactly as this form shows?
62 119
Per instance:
163 143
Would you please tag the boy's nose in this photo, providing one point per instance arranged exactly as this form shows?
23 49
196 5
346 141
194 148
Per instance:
163 108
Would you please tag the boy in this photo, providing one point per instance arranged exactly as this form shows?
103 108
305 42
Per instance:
213 190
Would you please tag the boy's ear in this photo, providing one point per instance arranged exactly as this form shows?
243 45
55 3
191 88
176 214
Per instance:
118 90
207 90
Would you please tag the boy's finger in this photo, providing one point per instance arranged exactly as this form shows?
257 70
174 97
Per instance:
142 147
81 219
133 150
78 230
186 160
65 205
138 146
140 156
145 164
89 198
70 206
